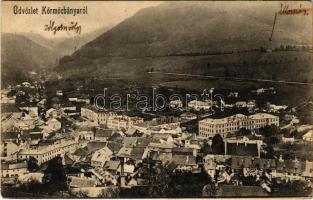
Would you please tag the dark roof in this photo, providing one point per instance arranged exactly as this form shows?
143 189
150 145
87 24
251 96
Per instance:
81 152
114 146
95 145
182 151
36 136
242 149
9 108
10 135
115 137
137 134
137 153
112 165
103 132
68 160
241 191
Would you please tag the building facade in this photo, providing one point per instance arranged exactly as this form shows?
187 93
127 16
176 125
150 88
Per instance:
46 153
210 127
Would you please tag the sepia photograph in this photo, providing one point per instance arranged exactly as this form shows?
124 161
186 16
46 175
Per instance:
156 99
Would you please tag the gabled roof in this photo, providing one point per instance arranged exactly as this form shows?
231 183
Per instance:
81 152
95 145
114 146
112 165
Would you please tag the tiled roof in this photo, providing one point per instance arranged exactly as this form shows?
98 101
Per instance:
112 165
114 146
95 145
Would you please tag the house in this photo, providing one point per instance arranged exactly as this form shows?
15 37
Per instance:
253 166
13 168
185 163
93 146
188 116
17 121
210 165
53 125
241 104
83 135
53 113
100 157
103 134
122 122
161 155
308 172
199 105
290 169
277 108
96 115
30 109
10 144
176 104
47 152
59 92
112 166
289 140
135 154
244 147
251 104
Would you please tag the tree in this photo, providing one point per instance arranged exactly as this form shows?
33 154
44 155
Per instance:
218 144
271 140
32 164
55 176
268 131
206 148
244 131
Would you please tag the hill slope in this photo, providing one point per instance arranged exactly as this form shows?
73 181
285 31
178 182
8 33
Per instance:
160 38
19 55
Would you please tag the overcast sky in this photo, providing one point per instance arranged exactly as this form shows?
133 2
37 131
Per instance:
99 14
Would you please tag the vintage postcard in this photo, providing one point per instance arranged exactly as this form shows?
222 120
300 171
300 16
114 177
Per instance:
156 99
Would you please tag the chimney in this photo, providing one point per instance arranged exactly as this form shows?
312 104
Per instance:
281 158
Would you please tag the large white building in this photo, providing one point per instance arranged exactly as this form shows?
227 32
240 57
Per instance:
46 153
122 122
98 116
210 127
